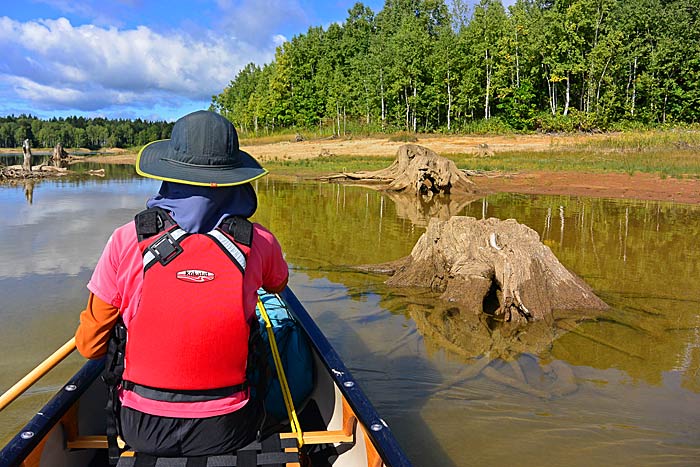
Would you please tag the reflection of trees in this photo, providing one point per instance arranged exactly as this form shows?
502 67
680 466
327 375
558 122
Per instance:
689 361
321 225
649 279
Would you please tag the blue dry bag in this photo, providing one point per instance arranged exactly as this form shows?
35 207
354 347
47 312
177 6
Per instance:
295 354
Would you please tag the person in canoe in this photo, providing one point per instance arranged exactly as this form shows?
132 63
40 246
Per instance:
181 281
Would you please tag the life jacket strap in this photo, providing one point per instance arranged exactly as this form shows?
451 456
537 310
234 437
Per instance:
167 247
183 395
239 228
164 249
232 250
152 221
114 368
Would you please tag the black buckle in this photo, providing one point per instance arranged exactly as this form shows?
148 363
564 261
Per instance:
165 249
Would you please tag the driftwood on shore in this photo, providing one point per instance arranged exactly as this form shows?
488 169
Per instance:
499 268
37 171
17 172
416 170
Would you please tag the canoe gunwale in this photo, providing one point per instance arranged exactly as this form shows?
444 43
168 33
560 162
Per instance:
51 413
376 430
382 438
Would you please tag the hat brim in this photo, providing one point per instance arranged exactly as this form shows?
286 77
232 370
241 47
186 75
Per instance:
154 161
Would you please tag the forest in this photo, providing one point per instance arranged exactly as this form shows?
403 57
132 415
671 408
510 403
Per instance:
434 66
80 132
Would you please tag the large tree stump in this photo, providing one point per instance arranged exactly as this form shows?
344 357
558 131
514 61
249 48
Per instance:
59 153
495 267
417 170
27 153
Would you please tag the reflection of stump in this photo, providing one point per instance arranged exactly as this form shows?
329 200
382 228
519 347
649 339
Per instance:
29 190
420 211
27 152
495 267
416 170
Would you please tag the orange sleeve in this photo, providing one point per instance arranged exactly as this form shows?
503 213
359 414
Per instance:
96 323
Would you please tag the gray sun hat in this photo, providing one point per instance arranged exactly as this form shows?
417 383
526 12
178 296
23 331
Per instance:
202 150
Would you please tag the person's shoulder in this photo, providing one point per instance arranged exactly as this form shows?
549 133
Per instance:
128 229
260 232
124 235
259 229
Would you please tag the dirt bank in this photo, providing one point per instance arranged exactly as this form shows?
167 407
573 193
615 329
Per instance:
443 145
640 186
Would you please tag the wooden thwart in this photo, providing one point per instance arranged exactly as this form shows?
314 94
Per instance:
344 435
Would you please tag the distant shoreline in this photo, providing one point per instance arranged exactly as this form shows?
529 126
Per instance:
521 154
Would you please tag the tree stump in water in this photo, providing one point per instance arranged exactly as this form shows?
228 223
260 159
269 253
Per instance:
495 267
416 170
59 153
27 152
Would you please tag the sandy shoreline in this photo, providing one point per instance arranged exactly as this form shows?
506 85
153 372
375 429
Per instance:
640 186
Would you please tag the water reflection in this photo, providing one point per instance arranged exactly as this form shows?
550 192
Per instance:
29 190
642 258
53 227
639 256
419 211
623 389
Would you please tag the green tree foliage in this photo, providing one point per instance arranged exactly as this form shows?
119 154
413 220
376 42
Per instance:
80 132
426 65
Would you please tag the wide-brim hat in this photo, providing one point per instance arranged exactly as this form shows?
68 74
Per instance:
202 150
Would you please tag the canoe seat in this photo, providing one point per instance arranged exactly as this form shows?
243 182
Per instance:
270 452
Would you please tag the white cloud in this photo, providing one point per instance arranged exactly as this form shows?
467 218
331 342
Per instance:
259 22
52 63
279 39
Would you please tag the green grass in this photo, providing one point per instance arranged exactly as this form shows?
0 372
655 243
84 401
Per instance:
657 140
678 164
665 163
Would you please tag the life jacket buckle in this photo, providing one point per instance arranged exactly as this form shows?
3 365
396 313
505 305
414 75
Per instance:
165 249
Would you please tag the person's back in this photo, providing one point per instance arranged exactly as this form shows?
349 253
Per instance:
183 279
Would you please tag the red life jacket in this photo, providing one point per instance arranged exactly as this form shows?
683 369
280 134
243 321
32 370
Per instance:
189 332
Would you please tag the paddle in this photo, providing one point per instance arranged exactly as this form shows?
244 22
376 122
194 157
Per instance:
33 376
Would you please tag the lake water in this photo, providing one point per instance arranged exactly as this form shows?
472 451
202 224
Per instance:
620 389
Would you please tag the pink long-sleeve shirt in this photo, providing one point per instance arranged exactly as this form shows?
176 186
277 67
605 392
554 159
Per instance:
117 281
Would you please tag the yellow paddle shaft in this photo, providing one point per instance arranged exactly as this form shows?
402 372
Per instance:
33 376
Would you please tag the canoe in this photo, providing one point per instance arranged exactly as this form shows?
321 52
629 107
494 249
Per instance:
347 430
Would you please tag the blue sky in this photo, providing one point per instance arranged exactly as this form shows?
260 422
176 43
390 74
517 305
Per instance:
151 59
